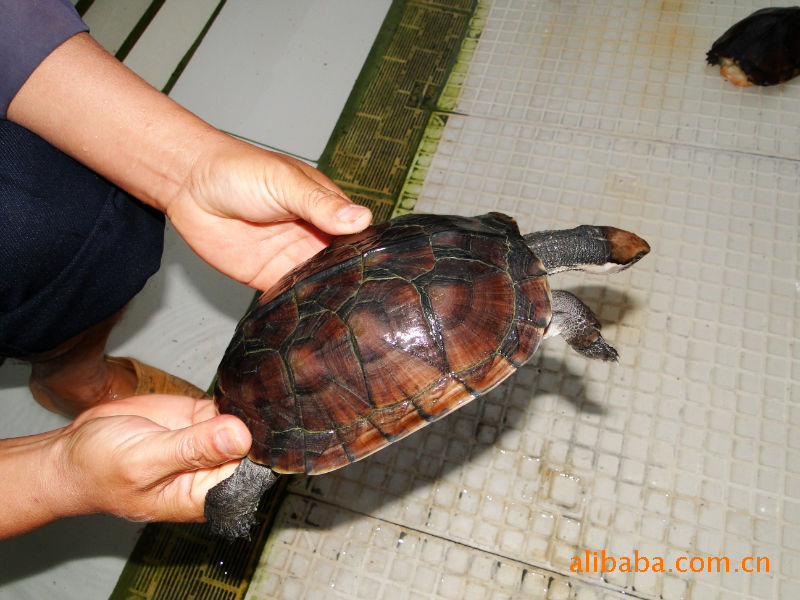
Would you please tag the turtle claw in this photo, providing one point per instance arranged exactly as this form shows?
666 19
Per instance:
231 504
600 349
580 328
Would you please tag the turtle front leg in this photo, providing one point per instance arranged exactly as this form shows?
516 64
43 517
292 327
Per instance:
231 504
580 328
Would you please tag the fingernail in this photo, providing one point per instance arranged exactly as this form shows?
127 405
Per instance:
227 442
351 213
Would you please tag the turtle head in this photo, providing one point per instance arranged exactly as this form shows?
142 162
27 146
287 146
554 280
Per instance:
624 249
592 248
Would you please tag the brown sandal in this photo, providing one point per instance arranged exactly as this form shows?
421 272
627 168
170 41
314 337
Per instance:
150 380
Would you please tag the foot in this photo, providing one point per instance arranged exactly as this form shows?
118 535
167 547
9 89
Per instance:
70 391
75 375
231 504
580 328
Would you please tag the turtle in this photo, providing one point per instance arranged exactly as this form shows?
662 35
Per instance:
761 49
392 328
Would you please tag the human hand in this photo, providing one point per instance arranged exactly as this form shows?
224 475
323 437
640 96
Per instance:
147 458
251 213
255 214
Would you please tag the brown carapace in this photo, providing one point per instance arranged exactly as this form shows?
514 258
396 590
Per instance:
390 329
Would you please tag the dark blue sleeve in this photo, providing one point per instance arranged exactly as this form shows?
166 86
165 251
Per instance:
29 31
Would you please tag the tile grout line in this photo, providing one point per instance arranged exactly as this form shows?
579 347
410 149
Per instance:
445 106
183 62
549 570
138 29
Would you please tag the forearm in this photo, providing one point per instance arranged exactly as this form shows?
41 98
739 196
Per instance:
95 109
239 207
33 489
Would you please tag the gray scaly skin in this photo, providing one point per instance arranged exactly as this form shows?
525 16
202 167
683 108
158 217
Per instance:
231 504
591 248
576 323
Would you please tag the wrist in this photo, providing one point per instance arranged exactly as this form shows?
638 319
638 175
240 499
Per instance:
33 484
62 482
192 165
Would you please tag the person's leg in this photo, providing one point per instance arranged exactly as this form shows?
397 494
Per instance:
74 251
76 375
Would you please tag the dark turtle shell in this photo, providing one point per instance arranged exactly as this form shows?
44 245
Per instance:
381 333
762 49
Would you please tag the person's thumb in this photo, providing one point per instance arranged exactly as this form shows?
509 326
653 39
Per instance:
204 445
329 210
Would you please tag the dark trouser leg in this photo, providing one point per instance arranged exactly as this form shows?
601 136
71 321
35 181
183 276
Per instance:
75 249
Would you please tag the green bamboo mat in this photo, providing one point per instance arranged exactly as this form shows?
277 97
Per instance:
378 154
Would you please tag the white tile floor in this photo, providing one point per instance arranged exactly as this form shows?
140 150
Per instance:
570 112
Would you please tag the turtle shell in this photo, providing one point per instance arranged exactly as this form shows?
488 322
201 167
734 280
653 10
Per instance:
762 49
381 333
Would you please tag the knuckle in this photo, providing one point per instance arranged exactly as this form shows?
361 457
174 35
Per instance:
191 452
317 197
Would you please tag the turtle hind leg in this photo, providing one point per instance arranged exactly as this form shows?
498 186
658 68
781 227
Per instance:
231 504
577 324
